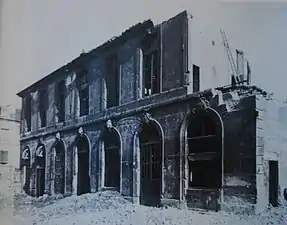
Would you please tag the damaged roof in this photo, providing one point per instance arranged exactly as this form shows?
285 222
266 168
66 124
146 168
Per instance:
127 34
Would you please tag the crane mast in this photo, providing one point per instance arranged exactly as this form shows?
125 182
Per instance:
230 57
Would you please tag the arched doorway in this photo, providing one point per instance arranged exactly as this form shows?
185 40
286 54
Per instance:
112 159
150 165
83 154
40 169
204 141
59 180
26 169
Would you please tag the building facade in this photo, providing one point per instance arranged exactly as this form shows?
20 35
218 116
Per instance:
9 136
130 116
9 148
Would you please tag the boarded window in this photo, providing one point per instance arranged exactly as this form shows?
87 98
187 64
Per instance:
112 81
60 100
43 101
83 87
196 78
3 157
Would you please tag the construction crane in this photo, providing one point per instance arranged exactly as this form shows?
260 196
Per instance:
234 75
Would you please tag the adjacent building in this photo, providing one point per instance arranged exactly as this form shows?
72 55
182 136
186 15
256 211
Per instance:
9 136
131 116
9 148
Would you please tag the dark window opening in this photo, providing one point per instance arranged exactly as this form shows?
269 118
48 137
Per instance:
204 174
83 87
204 146
273 183
59 184
28 112
196 78
60 100
151 74
3 157
83 184
43 102
27 174
151 64
201 127
25 166
151 165
40 169
112 81
112 161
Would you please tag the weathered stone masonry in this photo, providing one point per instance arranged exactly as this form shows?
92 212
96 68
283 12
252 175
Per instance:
157 143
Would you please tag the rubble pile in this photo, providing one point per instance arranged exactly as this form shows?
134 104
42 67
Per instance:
109 208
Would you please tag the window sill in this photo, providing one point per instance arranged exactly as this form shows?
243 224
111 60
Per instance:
82 119
160 93
41 129
203 156
202 189
189 190
109 189
59 124
27 133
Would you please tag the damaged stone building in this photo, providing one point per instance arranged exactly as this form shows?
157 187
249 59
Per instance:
131 116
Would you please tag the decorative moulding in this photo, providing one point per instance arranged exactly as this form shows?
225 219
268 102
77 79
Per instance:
109 124
81 131
25 154
58 136
147 117
39 151
201 104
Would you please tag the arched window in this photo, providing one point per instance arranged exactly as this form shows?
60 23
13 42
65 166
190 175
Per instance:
204 151
150 165
40 159
112 159
83 154
26 168
59 180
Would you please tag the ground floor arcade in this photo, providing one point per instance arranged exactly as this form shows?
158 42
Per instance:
188 156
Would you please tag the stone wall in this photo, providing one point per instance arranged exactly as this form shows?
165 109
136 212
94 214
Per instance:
271 134
169 120
239 187
238 116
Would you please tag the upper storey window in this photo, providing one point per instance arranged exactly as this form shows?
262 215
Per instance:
60 100
43 103
83 87
196 78
28 112
112 81
151 64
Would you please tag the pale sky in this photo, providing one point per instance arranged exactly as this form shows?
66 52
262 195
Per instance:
41 36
